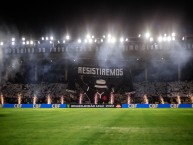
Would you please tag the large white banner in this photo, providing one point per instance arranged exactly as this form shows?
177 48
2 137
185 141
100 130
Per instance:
100 71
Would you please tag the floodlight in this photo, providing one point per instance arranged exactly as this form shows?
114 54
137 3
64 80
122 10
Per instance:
31 42
42 38
79 41
47 38
64 41
173 38
151 39
50 42
23 42
101 40
113 40
103 36
67 37
173 34
183 38
13 39
51 38
147 35
126 39
139 35
92 36
1 43
95 40
109 36
13 43
23 39
121 39
58 42
27 42
88 36
160 38
38 42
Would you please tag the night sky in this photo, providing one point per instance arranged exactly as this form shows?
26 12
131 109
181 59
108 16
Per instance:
37 18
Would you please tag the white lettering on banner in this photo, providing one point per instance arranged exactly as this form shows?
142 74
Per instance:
174 105
55 105
100 71
80 70
132 105
92 106
17 105
112 72
110 106
36 105
153 105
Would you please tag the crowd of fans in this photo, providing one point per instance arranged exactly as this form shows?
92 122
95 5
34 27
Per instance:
169 91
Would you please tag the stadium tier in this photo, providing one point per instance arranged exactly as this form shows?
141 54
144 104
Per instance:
99 72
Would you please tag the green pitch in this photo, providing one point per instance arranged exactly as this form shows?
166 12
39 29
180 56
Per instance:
96 126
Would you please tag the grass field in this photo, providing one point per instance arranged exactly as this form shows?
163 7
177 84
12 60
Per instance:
96 126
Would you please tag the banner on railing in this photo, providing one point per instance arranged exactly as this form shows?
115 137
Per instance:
96 105
157 105
34 105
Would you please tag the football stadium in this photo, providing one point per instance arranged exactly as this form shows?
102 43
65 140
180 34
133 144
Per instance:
97 89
